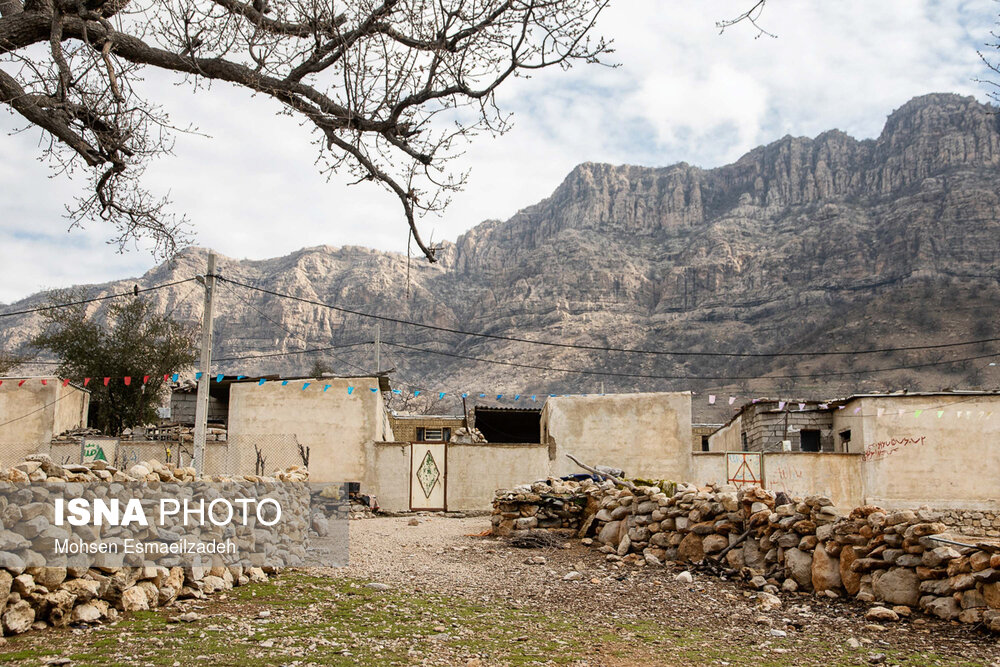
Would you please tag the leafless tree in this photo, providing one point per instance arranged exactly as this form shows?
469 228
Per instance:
392 88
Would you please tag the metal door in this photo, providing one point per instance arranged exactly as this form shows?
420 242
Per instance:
428 469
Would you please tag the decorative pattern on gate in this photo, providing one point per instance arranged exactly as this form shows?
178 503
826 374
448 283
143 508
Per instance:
744 469
428 474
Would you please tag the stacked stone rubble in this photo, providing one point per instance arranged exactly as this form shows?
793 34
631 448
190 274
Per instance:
777 543
34 595
550 504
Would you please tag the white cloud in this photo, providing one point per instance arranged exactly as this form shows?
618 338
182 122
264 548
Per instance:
682 93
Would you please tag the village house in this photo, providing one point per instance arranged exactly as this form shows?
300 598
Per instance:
34 410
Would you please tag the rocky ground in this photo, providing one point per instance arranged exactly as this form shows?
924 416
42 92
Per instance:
435 593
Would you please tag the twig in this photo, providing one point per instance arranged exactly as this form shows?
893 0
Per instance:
621 482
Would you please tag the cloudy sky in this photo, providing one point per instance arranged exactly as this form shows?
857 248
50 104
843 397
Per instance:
683 92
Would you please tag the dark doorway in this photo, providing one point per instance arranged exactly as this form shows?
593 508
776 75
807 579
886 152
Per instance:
809 440
509 425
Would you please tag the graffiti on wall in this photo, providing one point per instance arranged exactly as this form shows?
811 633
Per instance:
783 478
885 448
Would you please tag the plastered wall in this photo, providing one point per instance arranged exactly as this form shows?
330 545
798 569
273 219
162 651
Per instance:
647 435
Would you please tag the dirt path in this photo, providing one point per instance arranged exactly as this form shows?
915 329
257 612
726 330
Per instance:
434 594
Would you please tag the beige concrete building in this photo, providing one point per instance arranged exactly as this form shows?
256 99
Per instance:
900 450
337 419
33 413
646 435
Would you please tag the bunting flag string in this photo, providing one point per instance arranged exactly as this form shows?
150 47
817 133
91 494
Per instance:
712 399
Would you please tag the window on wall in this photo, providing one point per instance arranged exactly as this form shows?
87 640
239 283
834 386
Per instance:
809 440
433 434
845 440
746 443
704 443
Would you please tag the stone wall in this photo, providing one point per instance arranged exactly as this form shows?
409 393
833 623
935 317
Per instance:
35 595
890 560
974 523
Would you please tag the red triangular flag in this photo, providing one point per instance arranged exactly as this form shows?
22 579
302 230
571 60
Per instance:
21 382
1 383
128 380
106 381
145 379
166 377
45 382
66 382
86 381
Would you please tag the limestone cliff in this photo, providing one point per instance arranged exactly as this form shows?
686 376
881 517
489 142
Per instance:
804 244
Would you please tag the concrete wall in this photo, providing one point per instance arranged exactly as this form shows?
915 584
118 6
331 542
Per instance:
647 435
728 438
708 468
40 412
946 462
388 475
837 476
476 471
336 426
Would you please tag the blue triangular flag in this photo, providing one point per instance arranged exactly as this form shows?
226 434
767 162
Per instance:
482 396
374 390
284 382
218 378
350 390
305 384
197 376
261 381
517 397
326 387
240 377
533 397
416 393
465 395
396 391
552 395
499 396
176 376
440 395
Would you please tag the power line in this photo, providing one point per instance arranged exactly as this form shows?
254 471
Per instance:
685 377
131 292
284 328
601 348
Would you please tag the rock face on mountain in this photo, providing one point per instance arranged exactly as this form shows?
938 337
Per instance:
801 245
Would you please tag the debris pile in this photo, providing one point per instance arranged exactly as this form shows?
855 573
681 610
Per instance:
34 595
549 504
894 560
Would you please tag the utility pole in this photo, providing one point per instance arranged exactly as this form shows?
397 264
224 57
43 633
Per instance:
201 407
378 348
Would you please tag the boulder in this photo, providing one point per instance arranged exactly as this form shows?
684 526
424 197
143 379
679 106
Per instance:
945 608
18 617
691 548
850 579
134 599
714 543
825 571
881 615
798 565
897 585
609 533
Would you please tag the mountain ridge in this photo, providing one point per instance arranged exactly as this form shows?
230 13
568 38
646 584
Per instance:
829 242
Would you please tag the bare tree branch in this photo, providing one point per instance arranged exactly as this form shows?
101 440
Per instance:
394 88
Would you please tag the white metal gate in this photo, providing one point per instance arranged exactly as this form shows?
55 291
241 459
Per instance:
428 469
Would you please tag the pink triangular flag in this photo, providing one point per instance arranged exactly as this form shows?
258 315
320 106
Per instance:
128 380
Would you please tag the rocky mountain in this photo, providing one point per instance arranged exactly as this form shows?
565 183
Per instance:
803 245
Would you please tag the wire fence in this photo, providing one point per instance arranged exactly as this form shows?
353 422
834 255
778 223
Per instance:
258 454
